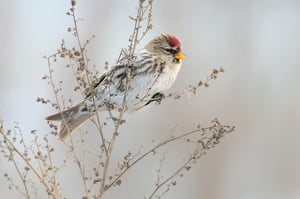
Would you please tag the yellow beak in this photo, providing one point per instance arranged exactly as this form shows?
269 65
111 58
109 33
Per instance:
179 55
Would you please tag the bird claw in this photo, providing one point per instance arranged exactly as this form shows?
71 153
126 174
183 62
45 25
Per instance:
157 97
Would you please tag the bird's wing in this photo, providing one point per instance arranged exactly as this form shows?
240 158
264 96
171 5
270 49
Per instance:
102 77
117 70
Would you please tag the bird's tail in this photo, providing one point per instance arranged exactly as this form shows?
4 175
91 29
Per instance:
70 119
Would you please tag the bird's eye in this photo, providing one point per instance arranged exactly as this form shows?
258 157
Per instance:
176 61
171 50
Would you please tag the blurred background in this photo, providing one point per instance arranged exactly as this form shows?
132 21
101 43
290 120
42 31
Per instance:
257 42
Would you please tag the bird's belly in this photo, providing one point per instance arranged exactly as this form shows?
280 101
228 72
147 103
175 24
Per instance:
139 91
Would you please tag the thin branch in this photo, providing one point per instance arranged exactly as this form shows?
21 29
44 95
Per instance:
193 89
79 165
85 64
20 175
131 50
168 141
150 151
12 147
218 131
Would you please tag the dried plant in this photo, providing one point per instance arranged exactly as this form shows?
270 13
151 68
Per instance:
35 162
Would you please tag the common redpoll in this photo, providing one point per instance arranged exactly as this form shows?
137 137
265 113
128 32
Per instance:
129 85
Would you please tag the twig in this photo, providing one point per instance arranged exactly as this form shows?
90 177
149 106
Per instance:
11 148
131 50
20 174
85 64
193 89
218 131
155 148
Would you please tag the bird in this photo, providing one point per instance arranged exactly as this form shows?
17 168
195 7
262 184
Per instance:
132 84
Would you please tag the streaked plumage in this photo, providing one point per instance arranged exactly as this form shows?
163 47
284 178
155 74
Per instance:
153 70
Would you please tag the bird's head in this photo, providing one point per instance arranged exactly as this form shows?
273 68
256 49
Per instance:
166 46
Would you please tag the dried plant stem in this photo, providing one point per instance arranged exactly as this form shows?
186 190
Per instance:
204 144
151 151
85 64
96 185
119 122
134 40
103 186
77 160
201 149
51 81
20 175
146 9
178 171
12 148
80 166
134 36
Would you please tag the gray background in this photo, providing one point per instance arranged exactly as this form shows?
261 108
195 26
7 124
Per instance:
256 41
